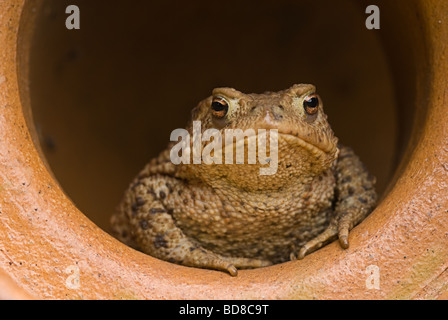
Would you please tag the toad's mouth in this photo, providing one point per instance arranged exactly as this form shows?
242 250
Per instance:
316 145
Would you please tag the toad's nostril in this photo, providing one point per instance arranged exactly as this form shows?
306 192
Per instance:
272 116
277 112
277 116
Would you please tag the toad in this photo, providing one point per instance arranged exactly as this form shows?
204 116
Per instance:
226 216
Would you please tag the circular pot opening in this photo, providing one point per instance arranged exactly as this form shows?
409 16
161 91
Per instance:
103 97
106 97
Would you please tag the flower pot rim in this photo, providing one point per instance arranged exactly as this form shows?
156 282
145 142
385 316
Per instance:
49 249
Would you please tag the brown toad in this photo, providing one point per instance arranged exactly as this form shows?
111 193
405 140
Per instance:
229 216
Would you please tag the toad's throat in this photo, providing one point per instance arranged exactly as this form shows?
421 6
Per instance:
253 148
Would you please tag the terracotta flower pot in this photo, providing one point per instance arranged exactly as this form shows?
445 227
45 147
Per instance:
50 249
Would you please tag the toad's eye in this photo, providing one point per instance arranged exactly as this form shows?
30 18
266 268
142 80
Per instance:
220 107
311 104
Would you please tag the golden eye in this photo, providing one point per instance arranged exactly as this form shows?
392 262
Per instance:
220 107
311 104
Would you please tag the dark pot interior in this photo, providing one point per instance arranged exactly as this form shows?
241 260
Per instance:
105 98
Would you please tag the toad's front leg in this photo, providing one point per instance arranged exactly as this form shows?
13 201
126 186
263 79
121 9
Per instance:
153 229
355 199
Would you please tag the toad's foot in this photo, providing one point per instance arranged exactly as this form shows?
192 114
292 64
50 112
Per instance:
317 242
146 222
340 230
203 258
356 197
